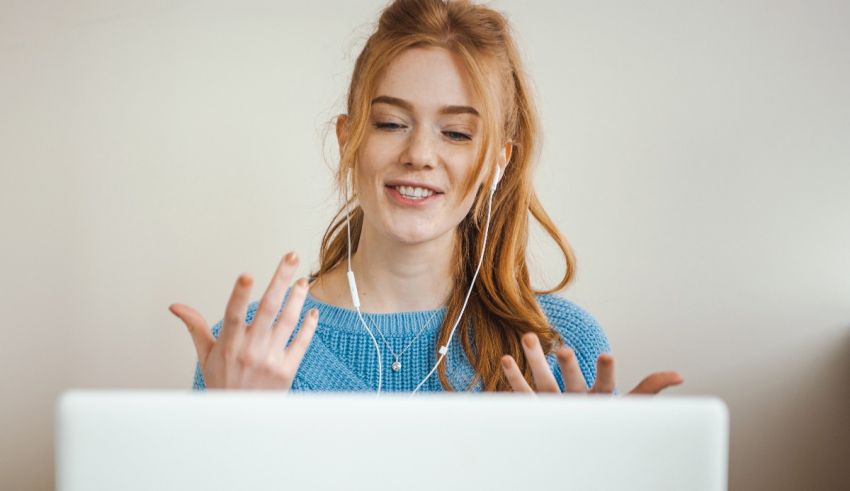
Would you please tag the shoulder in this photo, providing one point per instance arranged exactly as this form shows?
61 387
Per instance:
577 326
580 331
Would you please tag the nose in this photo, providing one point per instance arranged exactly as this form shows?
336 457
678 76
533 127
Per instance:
420 151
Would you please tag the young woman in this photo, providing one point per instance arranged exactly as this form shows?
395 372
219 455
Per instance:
436 155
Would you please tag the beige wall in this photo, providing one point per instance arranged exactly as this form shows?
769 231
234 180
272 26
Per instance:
697 156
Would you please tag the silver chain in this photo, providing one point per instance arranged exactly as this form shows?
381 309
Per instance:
397 365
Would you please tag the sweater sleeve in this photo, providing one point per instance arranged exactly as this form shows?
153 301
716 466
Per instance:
580 331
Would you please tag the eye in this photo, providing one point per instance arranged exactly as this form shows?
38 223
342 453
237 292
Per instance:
458 136
387 126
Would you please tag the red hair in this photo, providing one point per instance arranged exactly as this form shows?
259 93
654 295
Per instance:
503 305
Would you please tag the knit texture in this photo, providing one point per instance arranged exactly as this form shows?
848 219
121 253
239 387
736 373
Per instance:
342 357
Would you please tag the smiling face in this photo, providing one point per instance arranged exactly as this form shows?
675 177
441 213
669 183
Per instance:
419 148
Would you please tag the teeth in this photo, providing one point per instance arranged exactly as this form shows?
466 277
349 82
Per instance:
415 193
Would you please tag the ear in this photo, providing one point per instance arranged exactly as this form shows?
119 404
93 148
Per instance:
341 131
509 151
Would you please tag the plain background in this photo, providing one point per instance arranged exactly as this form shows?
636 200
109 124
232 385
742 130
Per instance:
696 155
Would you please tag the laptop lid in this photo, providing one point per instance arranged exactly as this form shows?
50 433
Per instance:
226 440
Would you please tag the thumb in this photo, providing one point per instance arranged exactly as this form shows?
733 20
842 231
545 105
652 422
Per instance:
198 328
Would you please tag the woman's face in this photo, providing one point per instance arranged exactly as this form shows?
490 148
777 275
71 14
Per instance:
419 147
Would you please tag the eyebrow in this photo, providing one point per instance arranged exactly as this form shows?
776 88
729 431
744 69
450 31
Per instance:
395 101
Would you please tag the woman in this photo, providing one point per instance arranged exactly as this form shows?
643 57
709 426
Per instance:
436 151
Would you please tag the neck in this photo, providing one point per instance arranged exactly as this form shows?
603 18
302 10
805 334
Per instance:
396 277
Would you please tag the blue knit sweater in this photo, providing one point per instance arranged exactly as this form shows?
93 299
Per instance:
342 357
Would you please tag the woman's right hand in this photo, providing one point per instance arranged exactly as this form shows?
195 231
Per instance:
254 356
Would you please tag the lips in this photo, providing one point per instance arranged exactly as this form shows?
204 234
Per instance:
407 202
414 184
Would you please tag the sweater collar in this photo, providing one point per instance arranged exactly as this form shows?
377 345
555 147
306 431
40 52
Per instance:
390 324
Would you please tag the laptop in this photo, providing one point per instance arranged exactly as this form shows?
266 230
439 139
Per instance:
247 440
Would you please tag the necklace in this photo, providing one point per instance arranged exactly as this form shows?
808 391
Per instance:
396 366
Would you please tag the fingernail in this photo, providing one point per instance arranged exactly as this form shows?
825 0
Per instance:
302 283
291 257
506 364
314 312
528 341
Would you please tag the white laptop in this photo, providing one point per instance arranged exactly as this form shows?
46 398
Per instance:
247 440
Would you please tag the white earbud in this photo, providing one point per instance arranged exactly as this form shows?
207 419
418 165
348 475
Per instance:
497 178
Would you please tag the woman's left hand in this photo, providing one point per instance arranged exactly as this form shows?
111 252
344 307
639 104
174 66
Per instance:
545 381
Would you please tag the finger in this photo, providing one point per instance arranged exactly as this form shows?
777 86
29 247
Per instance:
570 371
514 375
604 374
202 337
544 379
233 324
657 382
271 303
289 318
296 349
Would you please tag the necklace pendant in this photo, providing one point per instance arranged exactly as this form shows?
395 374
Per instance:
396 366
